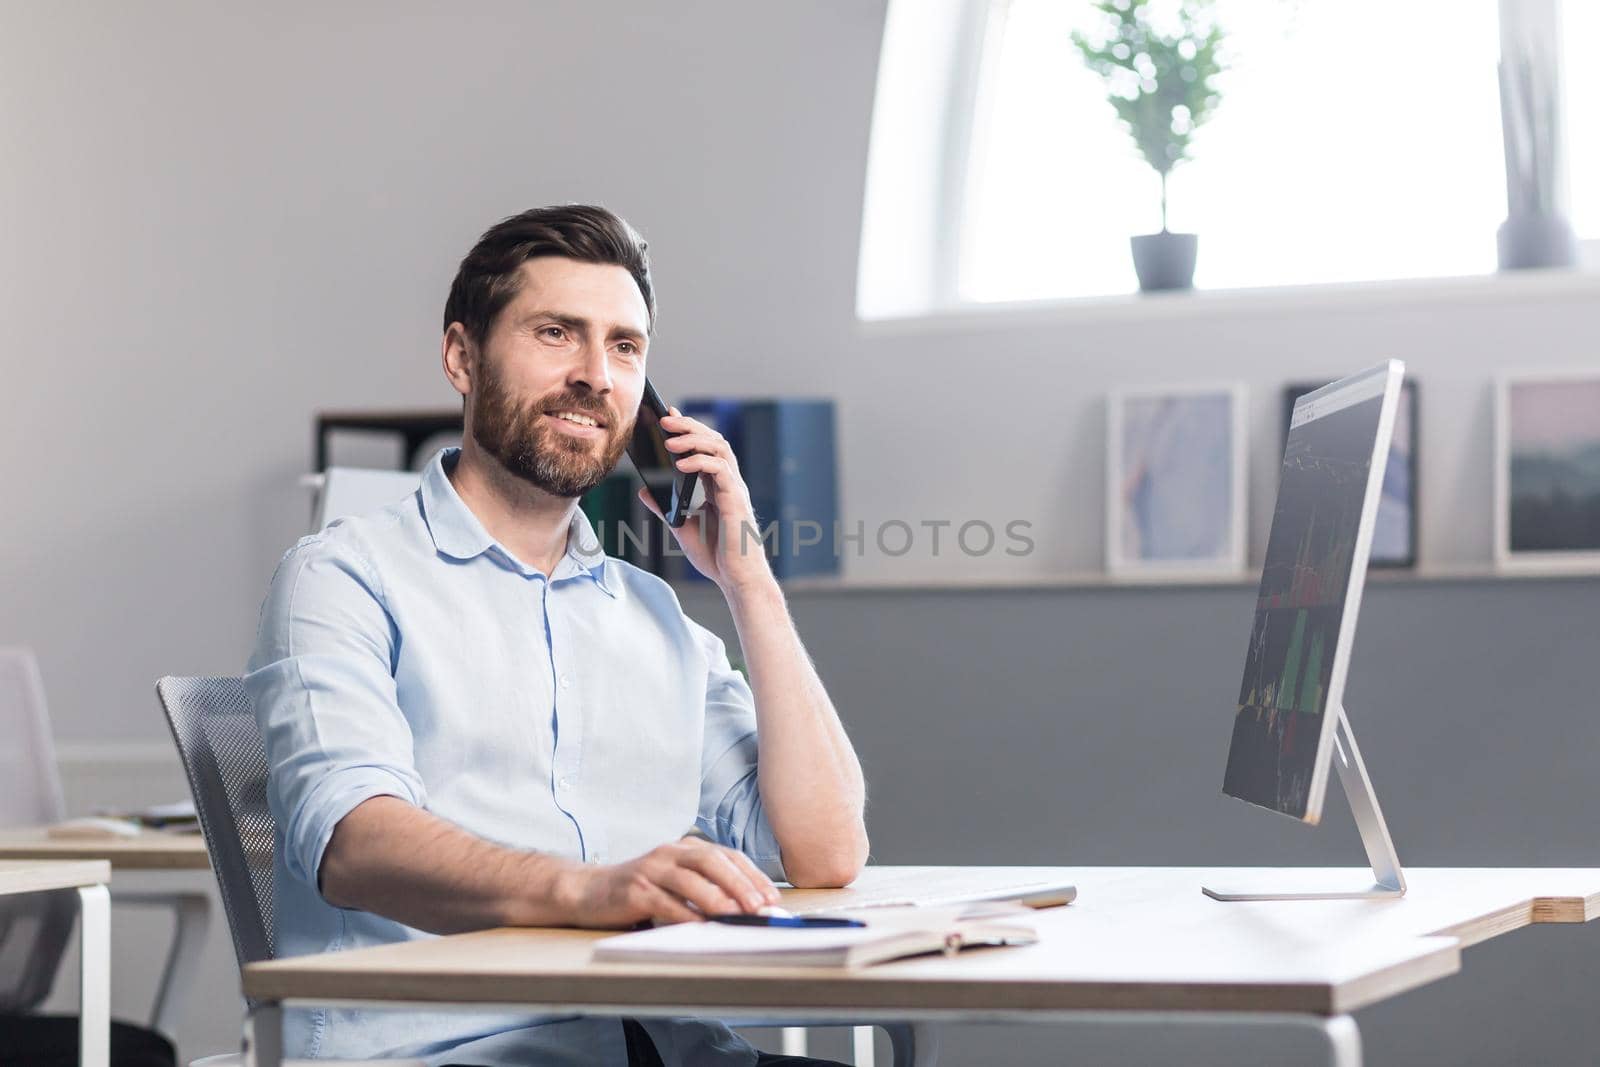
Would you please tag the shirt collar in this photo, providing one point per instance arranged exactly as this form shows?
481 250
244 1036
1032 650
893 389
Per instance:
457 533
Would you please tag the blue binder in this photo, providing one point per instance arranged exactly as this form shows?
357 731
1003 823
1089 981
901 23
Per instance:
788 456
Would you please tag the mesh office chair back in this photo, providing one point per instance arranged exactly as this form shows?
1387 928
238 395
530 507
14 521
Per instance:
34 928
215 731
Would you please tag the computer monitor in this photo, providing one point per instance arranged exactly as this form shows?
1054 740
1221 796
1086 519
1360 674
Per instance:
1290 728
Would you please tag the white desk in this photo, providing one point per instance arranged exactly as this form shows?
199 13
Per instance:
89 878
1139 943
150 850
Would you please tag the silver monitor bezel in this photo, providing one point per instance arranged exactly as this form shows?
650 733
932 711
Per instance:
1384 379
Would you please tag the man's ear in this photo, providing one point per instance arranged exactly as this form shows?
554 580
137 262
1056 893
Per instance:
460 358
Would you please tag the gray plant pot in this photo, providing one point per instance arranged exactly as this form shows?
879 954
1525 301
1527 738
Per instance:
1531 241
1165 260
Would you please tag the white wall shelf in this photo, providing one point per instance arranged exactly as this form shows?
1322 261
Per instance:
1098 580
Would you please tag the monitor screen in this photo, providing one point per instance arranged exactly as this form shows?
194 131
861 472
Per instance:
1310 593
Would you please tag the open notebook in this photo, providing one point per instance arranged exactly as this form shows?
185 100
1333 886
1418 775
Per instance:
889 935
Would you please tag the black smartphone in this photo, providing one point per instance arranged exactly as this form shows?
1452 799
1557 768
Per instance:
648 450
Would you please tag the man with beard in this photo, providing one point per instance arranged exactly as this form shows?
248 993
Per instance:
475 718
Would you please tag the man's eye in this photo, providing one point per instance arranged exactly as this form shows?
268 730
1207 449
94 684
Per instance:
628 348
555 333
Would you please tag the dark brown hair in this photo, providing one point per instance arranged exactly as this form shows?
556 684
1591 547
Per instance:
490 274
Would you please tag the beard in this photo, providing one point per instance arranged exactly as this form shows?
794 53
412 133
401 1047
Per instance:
560 464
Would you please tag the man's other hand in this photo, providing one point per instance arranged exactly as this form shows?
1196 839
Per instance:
678 882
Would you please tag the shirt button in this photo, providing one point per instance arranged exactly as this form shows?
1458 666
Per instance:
566 682
596 859
565 783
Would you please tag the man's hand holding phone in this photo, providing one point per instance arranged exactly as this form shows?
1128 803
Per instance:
722 540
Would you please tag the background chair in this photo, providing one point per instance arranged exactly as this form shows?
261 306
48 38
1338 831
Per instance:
215 730
342 491
35 928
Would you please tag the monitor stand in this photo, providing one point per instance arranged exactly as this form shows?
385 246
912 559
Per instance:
1388 879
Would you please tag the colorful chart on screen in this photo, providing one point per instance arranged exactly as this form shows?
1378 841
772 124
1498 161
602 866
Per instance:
1310 594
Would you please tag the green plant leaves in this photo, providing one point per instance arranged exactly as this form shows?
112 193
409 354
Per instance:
1160 80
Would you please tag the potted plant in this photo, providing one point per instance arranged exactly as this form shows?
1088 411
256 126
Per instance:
1161 81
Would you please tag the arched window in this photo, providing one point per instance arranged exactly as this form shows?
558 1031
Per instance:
1355 140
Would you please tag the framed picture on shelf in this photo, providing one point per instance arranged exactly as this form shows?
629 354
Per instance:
1547 471
1175 482
1394 536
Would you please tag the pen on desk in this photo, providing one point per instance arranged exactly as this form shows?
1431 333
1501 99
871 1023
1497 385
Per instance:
792 921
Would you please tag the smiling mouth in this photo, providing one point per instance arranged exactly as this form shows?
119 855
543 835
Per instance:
577 418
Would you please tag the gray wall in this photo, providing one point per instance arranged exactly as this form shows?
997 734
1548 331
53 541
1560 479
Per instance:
220 218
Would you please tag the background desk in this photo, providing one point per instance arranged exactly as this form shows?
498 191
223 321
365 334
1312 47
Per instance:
89 878
1139 943
148 851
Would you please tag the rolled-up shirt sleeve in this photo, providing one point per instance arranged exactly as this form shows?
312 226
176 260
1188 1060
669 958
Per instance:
731 812
321 679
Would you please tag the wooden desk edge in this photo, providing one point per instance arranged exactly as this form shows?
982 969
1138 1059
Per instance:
36 876
623 987
1401 977
814 992
1533 911
145 852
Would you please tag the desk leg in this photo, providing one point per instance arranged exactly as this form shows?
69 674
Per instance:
792 1040
192 921
191 918
915 1044
863 1052
94 976
263 1035
1344 1041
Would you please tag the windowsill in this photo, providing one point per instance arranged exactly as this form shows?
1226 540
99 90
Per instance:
1516 286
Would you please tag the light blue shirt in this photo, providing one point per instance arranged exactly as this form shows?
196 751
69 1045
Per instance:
406 653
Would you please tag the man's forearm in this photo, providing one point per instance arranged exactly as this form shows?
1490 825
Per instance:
810 779
394 859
